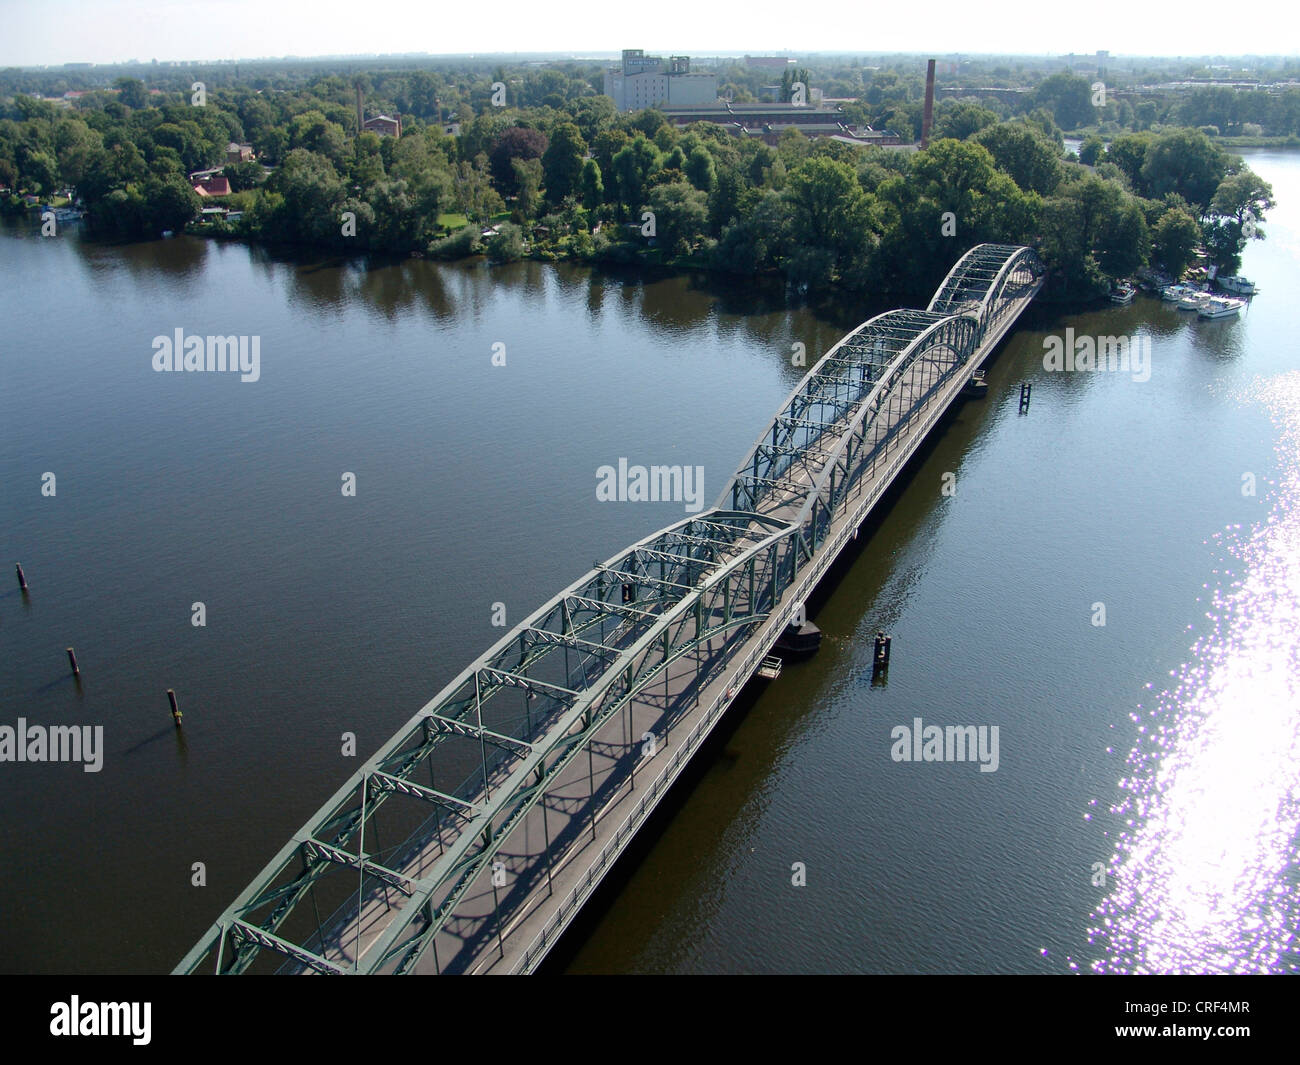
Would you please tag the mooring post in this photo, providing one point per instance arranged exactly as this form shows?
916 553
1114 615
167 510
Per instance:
72 661
22 579
176 710
1025 389
880 656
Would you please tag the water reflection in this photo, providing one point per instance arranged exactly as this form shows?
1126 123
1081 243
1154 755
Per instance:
1205 866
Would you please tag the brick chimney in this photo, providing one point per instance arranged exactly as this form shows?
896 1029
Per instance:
928 119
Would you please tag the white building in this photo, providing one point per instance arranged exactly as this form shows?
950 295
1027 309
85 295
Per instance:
646 80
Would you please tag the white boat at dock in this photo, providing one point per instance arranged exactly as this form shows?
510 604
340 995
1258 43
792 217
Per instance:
1220 307
1242 286
1192 300
1122 293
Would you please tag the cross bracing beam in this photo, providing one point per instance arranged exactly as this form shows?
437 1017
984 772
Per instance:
318 851
239 930
629 577
518 680
600 605
567 639
463 728
671 558
386 782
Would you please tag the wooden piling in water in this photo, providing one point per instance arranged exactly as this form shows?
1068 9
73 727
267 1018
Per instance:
880 657
72 661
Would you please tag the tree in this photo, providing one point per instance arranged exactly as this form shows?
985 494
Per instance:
1024 154
700 170
608 143
171 202
40 172
1186 162
632 168
313 131
528 183
478 199
829 209
1129 152
132 93
1175 237
507 244
562 162
1066 251
1243 196
593 186
758 239
1069 97
675 160
647 122
481 133
312 196
77 146
725 200
951 182
1091 149
1123 241
960 119
681 216
1235 211
516 142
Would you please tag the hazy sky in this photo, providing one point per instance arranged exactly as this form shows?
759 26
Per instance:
103 31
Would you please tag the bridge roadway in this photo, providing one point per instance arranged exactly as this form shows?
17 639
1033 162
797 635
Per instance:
885 385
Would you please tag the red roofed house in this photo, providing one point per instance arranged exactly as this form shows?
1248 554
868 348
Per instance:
212 185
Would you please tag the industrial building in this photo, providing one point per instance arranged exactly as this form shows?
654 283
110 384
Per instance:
642 81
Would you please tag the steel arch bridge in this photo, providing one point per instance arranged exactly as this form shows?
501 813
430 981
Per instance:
496 759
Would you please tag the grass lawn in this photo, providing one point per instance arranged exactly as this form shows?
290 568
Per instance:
453 221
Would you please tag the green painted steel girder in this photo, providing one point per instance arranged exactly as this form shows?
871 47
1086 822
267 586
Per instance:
706 577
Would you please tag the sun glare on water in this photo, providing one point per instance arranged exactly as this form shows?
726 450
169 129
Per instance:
1205 874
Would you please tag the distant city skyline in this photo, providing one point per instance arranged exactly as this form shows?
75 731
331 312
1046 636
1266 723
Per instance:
54 32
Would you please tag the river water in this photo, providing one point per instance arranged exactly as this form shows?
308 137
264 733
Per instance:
1143 813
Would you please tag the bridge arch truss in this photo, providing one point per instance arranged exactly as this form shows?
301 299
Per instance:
499 748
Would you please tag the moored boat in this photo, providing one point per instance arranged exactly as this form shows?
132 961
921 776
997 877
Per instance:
1173 293
1220 307
1122 293
1192 300
1242 286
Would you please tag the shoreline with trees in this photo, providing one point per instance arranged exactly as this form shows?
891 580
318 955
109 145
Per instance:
557 174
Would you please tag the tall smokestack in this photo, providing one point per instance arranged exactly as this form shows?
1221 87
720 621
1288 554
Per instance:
928 118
